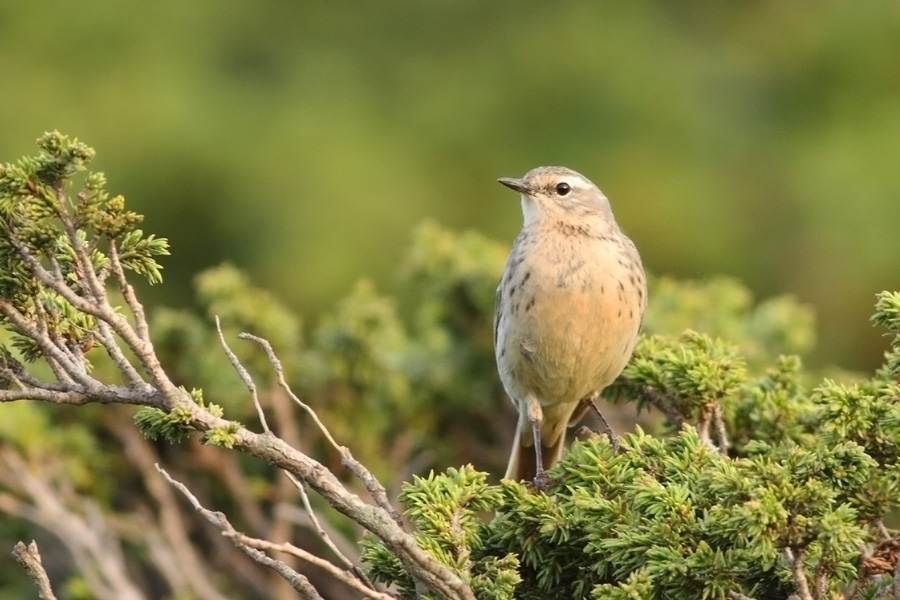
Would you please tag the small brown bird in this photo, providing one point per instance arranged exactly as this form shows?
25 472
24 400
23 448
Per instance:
569 307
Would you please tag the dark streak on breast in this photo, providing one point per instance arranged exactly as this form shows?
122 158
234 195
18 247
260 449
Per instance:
573 229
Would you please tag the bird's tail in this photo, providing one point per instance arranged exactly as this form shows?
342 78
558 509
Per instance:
522 460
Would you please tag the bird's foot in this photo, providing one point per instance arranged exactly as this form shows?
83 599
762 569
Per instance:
541 480
591 401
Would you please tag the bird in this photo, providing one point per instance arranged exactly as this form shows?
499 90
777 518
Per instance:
568 310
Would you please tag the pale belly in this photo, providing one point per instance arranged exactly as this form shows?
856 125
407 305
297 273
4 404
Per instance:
571 330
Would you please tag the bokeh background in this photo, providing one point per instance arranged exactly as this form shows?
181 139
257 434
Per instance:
302 142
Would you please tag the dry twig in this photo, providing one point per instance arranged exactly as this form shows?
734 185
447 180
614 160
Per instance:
29 557
123 335
300 583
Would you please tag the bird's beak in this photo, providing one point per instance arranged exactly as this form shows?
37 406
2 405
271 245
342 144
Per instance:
515 184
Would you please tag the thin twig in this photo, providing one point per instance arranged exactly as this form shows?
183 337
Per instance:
101 309
279 372
170 519
610 432
136 308
703 422
342 576
297 516
251 386
664 405
820 581
721 432
244 375
106 339
882 530
48 349
79 524
895 584
29 557
107 394
795 561
299 582
94 287
41 321
320 531
371 484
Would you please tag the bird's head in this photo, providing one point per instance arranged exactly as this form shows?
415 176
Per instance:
558 192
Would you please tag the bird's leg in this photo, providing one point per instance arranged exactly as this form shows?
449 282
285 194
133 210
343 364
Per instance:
536 416
591 401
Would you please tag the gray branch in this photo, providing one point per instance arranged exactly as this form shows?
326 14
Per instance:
29 557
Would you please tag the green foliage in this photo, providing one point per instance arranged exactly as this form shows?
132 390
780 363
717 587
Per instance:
669 517
221 436
42 220
446 511
175 426
724 308
730 137
763 476
686 375
887 313
774 408
809 472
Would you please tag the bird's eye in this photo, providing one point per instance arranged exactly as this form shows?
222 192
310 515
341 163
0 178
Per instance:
563 188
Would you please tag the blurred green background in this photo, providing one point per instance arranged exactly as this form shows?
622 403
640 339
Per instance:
303 141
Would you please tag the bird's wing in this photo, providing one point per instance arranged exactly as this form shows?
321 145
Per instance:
497 312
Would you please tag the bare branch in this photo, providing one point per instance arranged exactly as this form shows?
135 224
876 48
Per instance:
721 432
895 584
422 566
795 562
372 485
171 524
381 520
703 422
324 536
24 380
48 348
300 583
106 394
343 576
248 381
664 405
41 321
101 309
29 557
299 517
244 375
609 431
883 531
136 308
108 341
81 527
820 582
